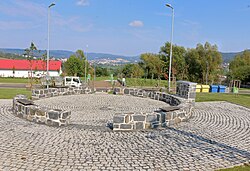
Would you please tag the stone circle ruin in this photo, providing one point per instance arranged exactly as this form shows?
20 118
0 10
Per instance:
180 109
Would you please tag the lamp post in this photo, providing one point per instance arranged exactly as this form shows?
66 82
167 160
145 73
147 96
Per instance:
171 47
51 5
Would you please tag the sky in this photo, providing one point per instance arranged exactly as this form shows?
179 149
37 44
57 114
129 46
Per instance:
124 27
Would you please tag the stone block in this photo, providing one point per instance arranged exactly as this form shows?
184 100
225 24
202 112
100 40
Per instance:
40 112
147 125
151 118
19 107
139 125
41 96
52 114
116 126
32 110
163 117
119 118
126 126
168 116
30 117
26 110
63 121
145 95
139 117
65 114
131 92
155 125
156 97
41 119
52 123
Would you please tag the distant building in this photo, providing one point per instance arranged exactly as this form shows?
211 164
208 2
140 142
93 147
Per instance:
23 68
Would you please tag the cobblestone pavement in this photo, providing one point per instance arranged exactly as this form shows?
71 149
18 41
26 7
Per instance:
217 136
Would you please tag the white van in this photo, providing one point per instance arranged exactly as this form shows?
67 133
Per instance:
72 81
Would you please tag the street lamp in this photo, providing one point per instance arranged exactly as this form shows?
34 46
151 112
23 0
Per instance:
51 5
171 47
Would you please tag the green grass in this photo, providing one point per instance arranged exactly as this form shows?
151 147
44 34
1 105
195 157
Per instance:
237 168
13 80
9 93
99 78
244 88
133 82
241 99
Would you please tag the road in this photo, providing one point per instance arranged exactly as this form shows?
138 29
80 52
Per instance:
12 85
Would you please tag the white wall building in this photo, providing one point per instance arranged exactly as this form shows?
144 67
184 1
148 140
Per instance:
23 68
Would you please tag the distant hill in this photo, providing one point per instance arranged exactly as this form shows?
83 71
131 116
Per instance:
226 56
66 54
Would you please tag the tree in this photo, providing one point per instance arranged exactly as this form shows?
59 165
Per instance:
204 63
75 65
101 71
127 70
152 65
29 52
179 67
240 67
137 71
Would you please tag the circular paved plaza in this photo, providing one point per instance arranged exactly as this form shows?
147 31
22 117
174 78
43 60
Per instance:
217 136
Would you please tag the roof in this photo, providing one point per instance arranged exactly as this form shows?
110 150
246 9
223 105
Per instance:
26 65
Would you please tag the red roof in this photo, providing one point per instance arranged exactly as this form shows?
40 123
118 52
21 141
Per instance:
25 65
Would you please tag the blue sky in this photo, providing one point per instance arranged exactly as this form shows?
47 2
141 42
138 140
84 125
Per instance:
125 27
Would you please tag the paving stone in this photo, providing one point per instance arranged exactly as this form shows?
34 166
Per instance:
216 137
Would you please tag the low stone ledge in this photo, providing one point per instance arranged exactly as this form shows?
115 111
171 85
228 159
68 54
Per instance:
180 110
24 108
53 92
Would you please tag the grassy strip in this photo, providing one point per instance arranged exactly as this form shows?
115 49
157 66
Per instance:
9 93
13 80
241 99
146 82
237 168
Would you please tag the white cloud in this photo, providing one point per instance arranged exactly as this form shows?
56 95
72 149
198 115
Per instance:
82 3
136 23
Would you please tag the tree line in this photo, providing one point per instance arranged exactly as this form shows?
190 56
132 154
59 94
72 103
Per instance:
201 64
239 67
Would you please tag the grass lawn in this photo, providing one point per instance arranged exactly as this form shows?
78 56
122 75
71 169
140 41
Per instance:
9 93
241 99
13 80
237 168
146 82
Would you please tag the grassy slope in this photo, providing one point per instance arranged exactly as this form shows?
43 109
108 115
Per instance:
9 93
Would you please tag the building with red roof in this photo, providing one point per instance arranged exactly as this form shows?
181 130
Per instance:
26 68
